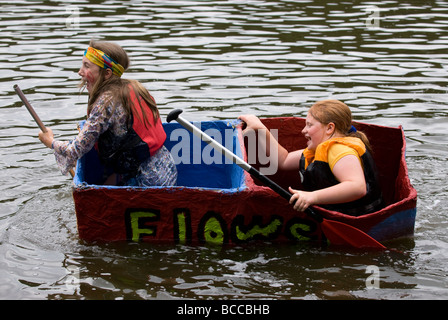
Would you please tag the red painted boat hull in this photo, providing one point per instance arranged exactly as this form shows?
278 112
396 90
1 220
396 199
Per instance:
221 203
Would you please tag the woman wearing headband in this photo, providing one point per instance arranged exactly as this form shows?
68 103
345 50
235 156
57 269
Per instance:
337 168
123 124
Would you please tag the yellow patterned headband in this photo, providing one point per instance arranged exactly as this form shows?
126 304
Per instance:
102 60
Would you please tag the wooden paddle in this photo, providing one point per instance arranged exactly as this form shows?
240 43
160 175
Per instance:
34 114
337 233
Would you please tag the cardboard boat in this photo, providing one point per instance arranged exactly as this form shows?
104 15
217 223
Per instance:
215 201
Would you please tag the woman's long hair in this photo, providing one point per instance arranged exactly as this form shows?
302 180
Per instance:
119 88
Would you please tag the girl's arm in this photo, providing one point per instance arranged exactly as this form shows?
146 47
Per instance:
286 160
68 152
348 171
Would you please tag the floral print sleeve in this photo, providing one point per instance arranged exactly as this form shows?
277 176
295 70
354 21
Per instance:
99 120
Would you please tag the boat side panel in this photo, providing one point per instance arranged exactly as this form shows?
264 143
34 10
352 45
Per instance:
400 224
189 216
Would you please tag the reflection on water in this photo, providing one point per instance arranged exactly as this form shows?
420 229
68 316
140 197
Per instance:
219 59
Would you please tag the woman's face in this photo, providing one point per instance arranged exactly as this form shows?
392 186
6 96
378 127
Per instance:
89 73
315 132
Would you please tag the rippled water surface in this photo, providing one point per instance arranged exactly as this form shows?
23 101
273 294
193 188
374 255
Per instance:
216 60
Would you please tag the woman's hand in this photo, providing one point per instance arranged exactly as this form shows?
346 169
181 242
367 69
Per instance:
302 199
252 122
46 137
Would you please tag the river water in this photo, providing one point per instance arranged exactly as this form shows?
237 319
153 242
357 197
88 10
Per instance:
216 60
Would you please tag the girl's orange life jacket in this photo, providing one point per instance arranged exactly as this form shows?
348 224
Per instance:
317 175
